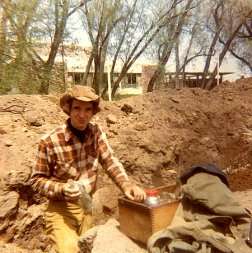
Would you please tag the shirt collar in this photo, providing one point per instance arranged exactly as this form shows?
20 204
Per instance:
70 135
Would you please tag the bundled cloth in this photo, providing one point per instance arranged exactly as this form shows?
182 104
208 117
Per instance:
208 220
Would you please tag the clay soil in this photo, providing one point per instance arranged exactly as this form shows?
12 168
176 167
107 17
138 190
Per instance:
157 136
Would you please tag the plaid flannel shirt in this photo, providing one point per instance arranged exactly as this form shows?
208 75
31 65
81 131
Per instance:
61 156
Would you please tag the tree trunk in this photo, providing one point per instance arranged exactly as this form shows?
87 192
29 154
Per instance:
186 61
157 73
19 64
240 58
45 82
63 67
60 24
209 57
218 19
97 64
117 82
88 67
153 30
3 32
177 81
169 47
210 84
119 79
111 71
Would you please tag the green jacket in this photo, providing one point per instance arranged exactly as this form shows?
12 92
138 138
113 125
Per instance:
208 220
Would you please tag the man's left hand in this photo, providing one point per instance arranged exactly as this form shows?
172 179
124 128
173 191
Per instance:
134 192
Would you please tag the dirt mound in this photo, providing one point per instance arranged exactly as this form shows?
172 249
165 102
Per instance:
172 130
156 136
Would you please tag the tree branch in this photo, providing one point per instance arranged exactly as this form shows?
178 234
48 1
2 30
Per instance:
82 3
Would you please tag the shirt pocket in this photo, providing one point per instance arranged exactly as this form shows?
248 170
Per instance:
65 169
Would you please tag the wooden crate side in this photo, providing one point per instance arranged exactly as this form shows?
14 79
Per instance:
135 223
162 216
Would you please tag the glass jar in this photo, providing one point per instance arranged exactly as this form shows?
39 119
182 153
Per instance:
152 197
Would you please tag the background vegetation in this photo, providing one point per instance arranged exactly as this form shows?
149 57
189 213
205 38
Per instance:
180 31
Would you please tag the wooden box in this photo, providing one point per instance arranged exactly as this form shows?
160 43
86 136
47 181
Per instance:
139 221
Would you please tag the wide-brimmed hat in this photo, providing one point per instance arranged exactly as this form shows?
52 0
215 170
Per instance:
79 92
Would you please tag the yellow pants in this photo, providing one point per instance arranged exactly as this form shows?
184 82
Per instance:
65 222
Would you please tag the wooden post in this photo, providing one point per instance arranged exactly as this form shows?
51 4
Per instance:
109 83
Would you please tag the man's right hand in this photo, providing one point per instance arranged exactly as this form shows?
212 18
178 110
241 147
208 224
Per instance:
133 192
71 191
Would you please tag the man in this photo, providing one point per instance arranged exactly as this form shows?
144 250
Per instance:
69 157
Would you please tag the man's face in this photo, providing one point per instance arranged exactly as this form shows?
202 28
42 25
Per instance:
81 113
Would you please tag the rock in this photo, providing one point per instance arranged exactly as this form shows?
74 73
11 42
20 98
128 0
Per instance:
33 119
194 92
86 241
108 238
174 172
111 119
28 218
150 147
114 132
140 126
29 227
174 100
2 131
8 143
4 224
249 122
15 179
105 198
8 204
13 248
25 130
127 108
205 140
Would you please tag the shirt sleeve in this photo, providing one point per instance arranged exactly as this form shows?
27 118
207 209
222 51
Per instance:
110 163
40 178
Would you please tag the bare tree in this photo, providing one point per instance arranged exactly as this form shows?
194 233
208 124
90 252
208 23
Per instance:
145 39
191 48
167 47
124 31
241 47
100 19
20 15
62 13
217 12
241 20
126 26
23 17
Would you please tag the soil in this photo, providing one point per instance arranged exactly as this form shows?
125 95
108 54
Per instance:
157 136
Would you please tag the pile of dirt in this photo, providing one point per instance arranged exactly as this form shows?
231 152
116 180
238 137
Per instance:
156 136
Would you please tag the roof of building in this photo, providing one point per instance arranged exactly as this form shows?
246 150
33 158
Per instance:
76 59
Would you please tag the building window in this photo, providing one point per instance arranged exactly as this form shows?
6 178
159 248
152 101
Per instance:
77 78
132 80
